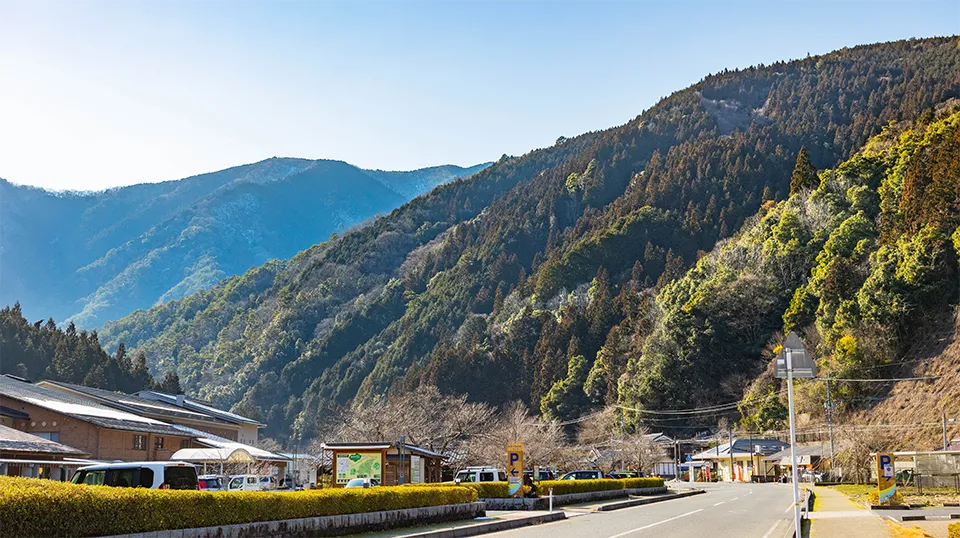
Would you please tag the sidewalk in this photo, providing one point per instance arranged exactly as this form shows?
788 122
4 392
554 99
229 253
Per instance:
836 515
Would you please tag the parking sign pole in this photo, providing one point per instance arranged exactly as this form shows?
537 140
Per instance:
793 444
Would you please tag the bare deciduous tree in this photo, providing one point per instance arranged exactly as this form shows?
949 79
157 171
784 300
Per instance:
543 441
425 417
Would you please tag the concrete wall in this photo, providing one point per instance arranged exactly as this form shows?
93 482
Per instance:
249 434
328 525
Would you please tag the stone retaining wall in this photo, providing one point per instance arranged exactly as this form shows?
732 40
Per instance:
328 525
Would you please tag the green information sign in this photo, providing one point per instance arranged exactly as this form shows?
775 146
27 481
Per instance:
359 465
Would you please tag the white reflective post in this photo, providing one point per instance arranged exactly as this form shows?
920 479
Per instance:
793 444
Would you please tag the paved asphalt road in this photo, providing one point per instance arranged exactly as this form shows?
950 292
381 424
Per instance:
726 510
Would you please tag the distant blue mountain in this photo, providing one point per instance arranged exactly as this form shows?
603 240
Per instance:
92 257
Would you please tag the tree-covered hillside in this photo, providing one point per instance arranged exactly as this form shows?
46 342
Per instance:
859 260
534 279
42 350
92 257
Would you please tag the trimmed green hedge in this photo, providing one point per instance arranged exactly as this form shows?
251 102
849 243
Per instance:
485 490
637 483
565 487
44 508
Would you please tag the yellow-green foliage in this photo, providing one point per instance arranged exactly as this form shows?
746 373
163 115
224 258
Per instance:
485 490
954 530
650 482
896 500
44 508
565 487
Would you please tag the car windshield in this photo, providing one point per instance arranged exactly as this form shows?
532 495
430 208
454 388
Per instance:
465 476
355 483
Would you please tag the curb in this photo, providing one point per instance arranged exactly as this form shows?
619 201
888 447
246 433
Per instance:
888 507
913 518
640 502
493 526
949 505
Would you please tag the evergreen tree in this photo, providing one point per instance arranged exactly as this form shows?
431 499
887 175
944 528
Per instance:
804 174
141 377
170 383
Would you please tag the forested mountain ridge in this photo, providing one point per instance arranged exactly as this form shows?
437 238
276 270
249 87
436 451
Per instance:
860 260
96 256
516 283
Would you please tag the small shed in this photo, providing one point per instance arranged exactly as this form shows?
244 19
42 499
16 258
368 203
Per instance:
389 463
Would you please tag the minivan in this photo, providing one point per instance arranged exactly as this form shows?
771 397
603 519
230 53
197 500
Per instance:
480 474
244 482
144 474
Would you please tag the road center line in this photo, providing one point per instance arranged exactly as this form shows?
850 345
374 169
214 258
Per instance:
655 524
734 499
719 503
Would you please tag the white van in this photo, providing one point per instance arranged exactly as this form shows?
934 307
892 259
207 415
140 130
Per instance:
480 474
244 482
143 474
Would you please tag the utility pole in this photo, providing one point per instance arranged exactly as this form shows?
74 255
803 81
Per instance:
945 441
830 424
730 436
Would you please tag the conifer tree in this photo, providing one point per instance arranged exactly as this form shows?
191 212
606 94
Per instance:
804 174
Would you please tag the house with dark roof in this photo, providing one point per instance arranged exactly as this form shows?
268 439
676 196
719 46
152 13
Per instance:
209 419
249 429
103 432
23 454
742 460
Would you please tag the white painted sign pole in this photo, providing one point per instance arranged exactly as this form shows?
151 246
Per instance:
793 444
794 362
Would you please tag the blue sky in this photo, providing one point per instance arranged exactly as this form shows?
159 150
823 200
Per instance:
100 94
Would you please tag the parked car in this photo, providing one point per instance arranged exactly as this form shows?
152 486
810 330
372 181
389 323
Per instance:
480 474
268 483
362 483
145 474
542 474
211 482
626 474
244 482
584 475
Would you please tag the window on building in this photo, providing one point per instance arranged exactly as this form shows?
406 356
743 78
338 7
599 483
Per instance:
139 442
185 443
49 436
158 443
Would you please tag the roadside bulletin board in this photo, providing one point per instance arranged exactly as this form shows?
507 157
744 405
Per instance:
352 465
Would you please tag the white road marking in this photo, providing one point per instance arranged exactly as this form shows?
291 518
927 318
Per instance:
789 508
773 528
719 503
655 524
734 499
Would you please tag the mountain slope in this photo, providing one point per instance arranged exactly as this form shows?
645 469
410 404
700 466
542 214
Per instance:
92 257
860 261
514 283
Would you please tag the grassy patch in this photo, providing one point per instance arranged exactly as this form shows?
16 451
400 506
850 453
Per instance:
860 493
